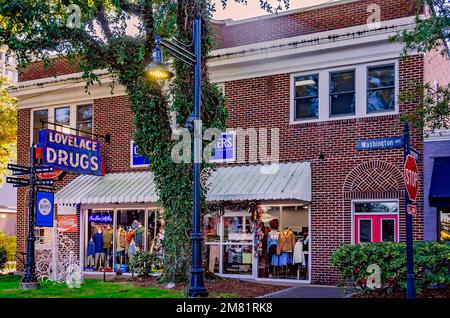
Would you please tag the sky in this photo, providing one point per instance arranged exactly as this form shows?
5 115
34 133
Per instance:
237 11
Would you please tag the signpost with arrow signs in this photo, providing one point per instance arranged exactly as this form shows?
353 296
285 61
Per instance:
29 280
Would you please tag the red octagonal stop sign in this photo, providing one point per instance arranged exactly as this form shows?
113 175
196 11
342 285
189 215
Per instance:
411 177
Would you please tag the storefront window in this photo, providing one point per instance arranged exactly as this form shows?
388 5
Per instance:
130 236
99 240
285 252
153 229
230 243
238 259
444 225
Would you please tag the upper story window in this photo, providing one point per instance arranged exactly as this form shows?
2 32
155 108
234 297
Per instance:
342 93
70 116
306 97
84 119
380 88
39 115
62 117
358 91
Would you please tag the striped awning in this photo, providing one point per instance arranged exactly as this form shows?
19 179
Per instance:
130 187
286 181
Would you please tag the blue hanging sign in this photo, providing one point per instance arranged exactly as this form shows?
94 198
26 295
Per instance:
44 208
225 148
380 143
70 152
136 160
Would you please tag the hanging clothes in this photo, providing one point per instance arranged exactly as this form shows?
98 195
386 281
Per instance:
286 241
107 237
139 236
299 256
272 239
132 248
98 242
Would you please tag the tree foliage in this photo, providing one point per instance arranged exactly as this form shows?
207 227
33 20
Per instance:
8 127
431 34
95 34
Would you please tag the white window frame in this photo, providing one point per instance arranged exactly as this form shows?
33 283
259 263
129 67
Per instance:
51 115
361 73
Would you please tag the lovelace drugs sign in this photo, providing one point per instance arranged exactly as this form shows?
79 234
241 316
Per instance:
70 152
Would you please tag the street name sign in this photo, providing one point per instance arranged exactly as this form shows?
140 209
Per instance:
380 143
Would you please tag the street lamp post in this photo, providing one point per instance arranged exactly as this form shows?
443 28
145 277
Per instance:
157 69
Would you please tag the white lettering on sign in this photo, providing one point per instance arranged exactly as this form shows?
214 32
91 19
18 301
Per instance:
412 178
72 141
70 159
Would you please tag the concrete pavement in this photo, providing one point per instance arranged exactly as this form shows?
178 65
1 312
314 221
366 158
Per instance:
309 291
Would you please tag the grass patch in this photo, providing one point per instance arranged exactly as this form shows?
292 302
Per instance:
92 288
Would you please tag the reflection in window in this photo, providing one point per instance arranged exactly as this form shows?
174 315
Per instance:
39 115
388 230
342 93
129 236
306 97
376 207
99 241
237 228
84 120
444 225
381 89
62 117
365 230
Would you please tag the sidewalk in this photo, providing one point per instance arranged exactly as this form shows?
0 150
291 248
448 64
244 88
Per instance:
309 291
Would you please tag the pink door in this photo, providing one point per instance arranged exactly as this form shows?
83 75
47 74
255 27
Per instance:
376 228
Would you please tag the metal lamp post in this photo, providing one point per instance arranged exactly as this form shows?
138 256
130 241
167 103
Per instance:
158 70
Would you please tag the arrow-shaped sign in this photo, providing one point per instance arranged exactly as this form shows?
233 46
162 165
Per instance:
20 173
43 169
18 168
17 181
44 182
15 185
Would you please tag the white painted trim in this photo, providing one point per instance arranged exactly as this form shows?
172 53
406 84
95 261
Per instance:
438 135
360 92
64 94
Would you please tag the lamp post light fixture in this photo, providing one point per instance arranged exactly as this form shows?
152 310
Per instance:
158 70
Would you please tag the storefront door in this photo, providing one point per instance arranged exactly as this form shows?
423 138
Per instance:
375 222
376 228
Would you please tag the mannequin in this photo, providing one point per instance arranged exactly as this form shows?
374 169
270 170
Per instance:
285 248
139 236
108 242
131 248
272 244
98 248
121 244
90 262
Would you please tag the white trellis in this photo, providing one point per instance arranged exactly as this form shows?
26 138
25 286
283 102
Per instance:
55 259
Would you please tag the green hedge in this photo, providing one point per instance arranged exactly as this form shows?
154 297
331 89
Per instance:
431 265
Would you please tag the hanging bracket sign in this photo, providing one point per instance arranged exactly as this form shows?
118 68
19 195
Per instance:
44 208
70 152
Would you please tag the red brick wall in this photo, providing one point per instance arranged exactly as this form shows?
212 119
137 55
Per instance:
264 102
36 70
112 116
329 18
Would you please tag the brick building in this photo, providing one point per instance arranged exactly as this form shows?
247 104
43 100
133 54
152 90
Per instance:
323 78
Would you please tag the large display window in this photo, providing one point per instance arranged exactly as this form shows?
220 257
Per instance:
230 243
285 248
112 237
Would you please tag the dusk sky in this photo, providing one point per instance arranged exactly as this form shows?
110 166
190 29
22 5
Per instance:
252 9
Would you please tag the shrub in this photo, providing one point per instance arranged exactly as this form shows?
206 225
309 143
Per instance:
142 263
3 257
431 265
9 243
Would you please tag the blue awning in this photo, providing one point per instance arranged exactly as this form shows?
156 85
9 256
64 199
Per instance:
440 183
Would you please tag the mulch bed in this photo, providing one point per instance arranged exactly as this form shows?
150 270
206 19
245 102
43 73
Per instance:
429 293
238 288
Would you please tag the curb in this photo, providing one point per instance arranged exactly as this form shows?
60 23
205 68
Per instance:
279 291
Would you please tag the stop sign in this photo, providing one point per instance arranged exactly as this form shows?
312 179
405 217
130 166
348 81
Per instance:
411 177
